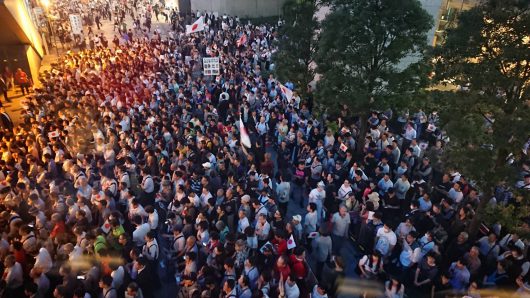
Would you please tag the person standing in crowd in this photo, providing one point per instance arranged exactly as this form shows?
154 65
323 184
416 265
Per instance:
5 119
4 88
130 155
9 78
22 80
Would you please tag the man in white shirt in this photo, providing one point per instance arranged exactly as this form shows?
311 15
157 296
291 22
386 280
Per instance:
13 276
243 222
385 240
205 196
141 230
317 196
384 184
341 226
179 244
150 250
262 229
152 217
411 252
136 209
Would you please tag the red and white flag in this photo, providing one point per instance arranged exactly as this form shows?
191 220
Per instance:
242 40
198 26
290 243
288 92
343 147
245 139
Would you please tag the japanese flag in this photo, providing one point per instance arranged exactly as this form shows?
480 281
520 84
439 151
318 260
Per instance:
288 92
53 134
106 227
343 147
242 40
290 243
199 25
245 140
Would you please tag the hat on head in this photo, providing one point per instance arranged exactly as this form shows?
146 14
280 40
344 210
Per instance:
245 199
321 184
297 218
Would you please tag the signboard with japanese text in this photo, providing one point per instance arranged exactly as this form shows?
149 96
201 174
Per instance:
210 66
76 24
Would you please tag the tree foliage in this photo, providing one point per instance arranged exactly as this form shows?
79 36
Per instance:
362 43
488 125
298 43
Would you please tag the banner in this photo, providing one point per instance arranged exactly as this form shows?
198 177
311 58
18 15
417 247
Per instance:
211 66
76 24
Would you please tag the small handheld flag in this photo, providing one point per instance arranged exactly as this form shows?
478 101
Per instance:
245 139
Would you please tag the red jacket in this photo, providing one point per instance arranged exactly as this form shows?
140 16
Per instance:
281 246
59 228
298 267
284 272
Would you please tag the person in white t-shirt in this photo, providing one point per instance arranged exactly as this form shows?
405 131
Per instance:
385 240
141 230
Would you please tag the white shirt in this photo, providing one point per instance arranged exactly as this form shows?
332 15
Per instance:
139 210
14 276
390 237
148 185
242 225
139 234
150 250
153 220
44 260
179 243
343 192
316 195
291 291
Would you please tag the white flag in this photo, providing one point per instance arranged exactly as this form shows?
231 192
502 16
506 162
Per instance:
290 243
196 27
245 139
288 92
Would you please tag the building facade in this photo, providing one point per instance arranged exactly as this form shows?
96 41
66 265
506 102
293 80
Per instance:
240 8
20 41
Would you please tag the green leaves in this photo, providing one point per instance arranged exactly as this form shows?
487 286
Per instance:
490 50
361 44
487 125
297 43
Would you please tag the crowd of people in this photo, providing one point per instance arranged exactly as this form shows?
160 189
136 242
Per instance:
128 174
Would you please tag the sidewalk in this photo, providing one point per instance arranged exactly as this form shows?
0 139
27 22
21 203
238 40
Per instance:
15 108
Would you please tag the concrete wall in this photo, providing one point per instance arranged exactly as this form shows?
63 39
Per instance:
34 61
18 10
240 8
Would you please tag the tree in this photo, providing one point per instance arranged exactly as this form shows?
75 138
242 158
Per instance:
297 44
488 52
362 44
